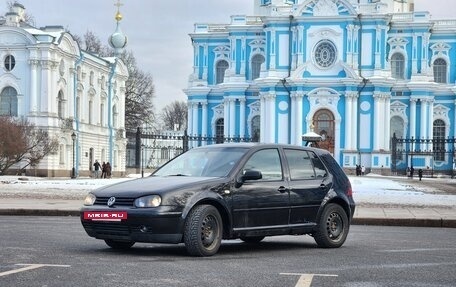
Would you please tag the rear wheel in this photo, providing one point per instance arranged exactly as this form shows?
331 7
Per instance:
333 226
203 231
252 239
119 245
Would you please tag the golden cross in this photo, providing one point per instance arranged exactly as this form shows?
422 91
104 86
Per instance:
118 4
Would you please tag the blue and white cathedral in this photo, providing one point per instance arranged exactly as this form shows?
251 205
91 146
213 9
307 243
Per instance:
356 72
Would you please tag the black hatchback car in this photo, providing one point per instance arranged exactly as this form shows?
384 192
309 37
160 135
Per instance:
226 191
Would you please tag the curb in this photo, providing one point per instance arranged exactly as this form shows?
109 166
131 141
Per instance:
410 222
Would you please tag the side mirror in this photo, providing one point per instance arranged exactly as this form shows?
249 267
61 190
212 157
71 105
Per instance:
249 174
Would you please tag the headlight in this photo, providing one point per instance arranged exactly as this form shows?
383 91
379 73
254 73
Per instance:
89 199
148 201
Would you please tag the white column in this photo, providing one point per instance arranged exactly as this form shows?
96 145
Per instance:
293 119
205 60
424 120
348 121
232 117
431 119
195 119
377 121
387 122
263 108
272 115
33 86
204 119
299 117
412 118
190 118
242 122
44 94
354 119
226 115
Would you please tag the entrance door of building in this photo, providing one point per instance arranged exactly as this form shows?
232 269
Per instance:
324 123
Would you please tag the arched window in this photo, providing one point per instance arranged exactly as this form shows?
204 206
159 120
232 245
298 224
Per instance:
78 108
439 140
255 129
398 66
219 130
91 78
397 127
61 105
8 102
440 71
257 61
102 121
220 71
114 116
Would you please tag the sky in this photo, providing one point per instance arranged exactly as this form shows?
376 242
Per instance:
371 189
158 31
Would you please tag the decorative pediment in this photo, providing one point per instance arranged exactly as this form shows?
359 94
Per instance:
398 108
441 112
258 46
397 43
218 111
222 52
440 49
324 97
325 8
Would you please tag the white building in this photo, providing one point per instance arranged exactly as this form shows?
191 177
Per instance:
47 79
355 71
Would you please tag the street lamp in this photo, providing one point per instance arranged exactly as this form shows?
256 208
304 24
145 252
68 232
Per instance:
73 170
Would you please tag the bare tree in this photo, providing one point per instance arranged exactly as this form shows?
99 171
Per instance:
174 116
24 144
139 94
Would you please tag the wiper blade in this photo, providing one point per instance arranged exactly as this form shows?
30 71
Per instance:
178 174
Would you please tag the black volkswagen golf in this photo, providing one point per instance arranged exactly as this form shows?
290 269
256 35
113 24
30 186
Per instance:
226 191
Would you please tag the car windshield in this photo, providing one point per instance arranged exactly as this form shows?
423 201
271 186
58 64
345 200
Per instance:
203 162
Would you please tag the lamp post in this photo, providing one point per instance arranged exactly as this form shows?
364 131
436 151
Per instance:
73 170
142 160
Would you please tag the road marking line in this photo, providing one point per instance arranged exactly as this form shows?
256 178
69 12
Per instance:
29 267
305 280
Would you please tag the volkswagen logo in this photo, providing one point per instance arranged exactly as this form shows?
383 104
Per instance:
111 201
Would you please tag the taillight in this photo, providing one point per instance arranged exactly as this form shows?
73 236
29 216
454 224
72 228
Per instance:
349 190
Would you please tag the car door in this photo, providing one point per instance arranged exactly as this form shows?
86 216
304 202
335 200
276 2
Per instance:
262 202
308 185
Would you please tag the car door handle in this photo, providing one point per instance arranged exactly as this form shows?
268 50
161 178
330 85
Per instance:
282 189
323 186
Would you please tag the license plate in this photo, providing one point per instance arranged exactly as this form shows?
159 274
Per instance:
105 215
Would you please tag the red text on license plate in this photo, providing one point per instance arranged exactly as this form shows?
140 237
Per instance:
105 215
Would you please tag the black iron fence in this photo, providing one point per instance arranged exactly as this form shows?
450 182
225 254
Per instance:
150 150
433 156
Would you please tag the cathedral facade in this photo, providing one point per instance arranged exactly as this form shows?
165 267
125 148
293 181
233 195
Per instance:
76 96
357 72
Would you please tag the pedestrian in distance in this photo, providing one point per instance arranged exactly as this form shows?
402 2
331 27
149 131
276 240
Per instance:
420 174
97 168
412 170
103 170
363 170
108 170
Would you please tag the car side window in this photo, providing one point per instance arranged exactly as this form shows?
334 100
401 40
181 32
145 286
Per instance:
300 164
319 167
267 161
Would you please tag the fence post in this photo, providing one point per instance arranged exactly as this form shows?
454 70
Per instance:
138 150
185 141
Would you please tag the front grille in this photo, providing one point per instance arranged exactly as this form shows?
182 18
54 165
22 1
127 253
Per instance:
120 201
107 228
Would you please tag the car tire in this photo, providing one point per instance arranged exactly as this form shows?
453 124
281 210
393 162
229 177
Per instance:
252 239
203 231
119 245
333 226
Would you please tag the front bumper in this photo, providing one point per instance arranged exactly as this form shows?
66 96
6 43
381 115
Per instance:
153 225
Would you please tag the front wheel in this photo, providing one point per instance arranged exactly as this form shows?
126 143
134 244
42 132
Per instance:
120 245
203 231
333 226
